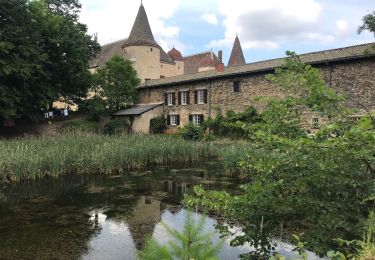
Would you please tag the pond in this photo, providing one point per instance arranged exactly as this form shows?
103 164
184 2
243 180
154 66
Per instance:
104 217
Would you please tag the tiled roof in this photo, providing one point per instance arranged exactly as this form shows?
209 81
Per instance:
236 56
333 55
193 62
137 109
107 52
175 54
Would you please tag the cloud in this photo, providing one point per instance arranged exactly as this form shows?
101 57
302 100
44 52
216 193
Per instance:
113 19
267 24
210 18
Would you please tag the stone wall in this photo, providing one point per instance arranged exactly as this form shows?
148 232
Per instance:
353 79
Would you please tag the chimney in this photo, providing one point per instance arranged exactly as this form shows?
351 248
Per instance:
220 55
220 67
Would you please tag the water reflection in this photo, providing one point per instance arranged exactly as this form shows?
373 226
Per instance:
101 217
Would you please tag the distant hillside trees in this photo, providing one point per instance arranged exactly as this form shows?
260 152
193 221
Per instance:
44 54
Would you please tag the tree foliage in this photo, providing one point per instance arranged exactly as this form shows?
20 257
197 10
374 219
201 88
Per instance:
368 23
191 243
117 82
321 185
44 54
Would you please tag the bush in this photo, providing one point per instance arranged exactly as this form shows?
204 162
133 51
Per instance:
158 125
96 107
192 132
117 126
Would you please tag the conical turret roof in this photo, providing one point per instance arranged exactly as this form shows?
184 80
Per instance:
236 56
141 33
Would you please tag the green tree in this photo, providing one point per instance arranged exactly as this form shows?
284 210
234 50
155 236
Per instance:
321 185
191 243
116 82
44 54
368 23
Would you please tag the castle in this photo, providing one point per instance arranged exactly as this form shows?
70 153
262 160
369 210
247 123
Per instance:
192 88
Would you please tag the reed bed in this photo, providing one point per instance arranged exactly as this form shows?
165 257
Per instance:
71 153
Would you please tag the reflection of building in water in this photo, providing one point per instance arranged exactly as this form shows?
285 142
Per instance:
142 222
176 187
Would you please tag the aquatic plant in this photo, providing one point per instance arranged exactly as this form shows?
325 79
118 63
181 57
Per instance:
71 153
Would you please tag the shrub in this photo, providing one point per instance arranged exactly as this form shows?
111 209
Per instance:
192 132
117 126
158 125
96 107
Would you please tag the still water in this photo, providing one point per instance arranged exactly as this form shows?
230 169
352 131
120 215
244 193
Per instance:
104 217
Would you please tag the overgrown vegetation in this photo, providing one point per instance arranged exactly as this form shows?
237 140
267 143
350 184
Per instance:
191 243
117 126
322 185
72 153
233 124
192 132
80 126
158 125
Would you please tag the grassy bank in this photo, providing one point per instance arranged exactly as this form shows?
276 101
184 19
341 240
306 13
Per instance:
53 156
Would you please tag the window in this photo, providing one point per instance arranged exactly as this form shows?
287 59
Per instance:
170 99
200 96
162 76
173 120
184 98
236 86
197 119
315 122
151 49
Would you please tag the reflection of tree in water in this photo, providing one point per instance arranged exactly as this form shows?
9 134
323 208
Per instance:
50 218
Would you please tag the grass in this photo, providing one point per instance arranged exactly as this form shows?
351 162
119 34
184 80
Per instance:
71 153
81 125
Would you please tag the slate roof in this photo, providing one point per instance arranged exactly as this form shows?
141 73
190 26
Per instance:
236 56
333 55
107 52
141 33
193 62
138 109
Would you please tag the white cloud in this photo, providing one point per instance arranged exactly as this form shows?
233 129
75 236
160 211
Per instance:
210 18
113 19
268 23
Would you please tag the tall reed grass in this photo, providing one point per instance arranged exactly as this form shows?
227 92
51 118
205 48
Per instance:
70 153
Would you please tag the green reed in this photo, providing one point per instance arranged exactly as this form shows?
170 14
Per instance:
70 153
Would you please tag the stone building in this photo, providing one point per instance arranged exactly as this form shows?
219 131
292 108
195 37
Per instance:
148 57
194 87
196 97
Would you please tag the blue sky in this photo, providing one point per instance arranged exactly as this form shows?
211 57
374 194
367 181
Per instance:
266 28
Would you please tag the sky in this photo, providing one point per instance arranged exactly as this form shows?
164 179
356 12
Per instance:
266 28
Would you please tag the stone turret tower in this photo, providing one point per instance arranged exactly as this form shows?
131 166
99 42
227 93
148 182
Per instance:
149 59
141 48
236 56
